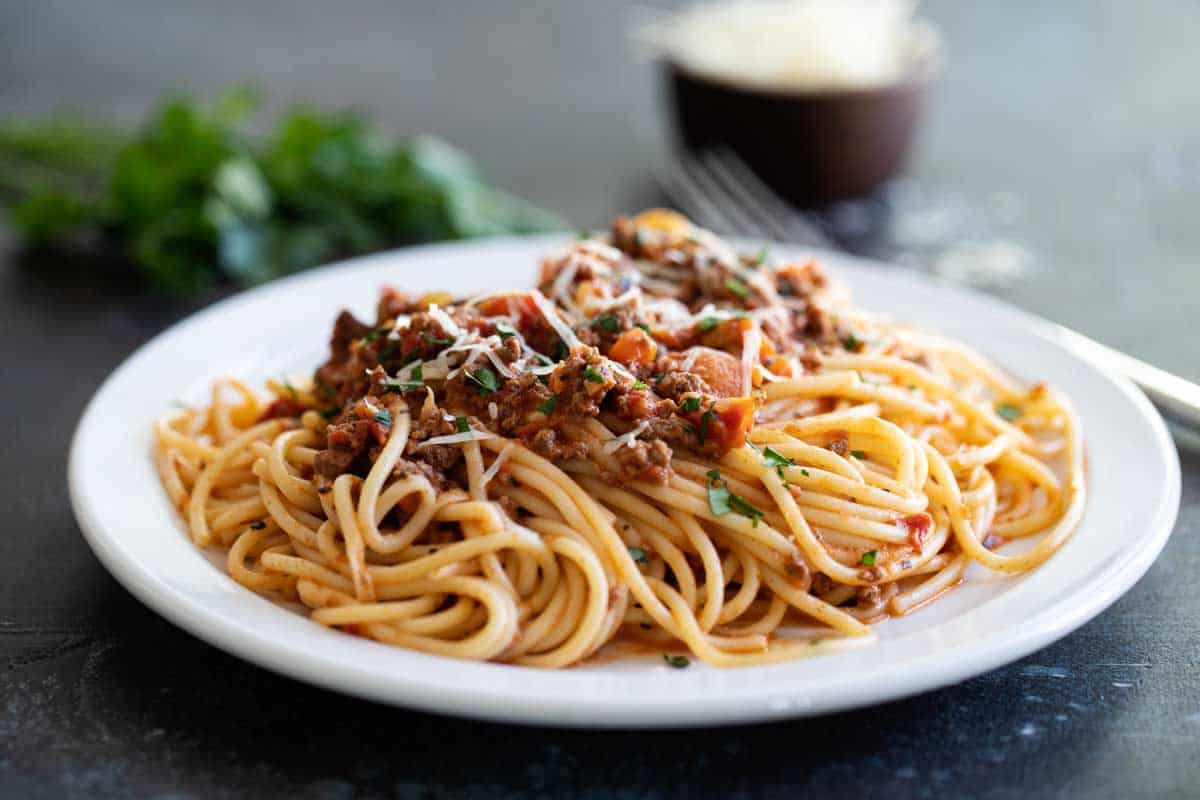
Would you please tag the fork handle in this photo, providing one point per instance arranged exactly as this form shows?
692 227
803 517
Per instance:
1177 398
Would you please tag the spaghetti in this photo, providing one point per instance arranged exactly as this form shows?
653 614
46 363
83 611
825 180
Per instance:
666 444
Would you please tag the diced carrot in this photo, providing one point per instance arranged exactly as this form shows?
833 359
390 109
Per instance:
780 366
634 346
435 298
721 371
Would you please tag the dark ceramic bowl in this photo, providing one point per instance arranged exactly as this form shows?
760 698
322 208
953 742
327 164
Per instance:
811 147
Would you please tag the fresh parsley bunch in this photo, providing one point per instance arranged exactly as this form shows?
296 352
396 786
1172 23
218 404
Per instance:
193 198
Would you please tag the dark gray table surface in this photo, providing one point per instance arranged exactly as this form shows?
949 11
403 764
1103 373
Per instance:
1062 143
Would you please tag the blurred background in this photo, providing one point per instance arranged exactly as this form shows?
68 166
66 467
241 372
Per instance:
1058 160
1056 165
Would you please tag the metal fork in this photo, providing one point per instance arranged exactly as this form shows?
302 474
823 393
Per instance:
720 192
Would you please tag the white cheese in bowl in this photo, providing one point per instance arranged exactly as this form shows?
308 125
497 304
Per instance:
807 45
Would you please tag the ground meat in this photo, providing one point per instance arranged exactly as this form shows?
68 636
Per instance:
581 382
346 442
392 304
550 444
341 377
675 384
645 460
516 401
821 584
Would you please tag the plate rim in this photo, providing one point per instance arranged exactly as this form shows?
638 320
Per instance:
928 672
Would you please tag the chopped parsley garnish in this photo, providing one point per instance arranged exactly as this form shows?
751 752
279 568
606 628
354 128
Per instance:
505 330
690 403
741 506
1008 411
705 419
774 459
644 326
721 501
593 376
383 417
678 662
707 324
852 342
441 341
762 257
547 405
868 558
486 380
640 386
371 336
607 323
718 494
639 555
859 454
416 380
330 413
461 424
737 287
804 472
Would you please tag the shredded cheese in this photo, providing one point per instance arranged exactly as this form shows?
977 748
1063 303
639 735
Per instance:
625 439
751 342
457 438
561 328
498 462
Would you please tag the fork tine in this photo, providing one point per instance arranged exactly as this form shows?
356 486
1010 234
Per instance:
734 185
743 220
687 193
792 224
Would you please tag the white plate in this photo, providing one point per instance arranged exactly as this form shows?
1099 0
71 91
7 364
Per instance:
282 328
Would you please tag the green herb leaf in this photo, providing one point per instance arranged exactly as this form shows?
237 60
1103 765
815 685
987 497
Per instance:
547 405
486 380
741 506
1009 412
804 472
330 413
505 330
462 424
779 462
737 287
718 494
439 341
644 326
868 558
416 380
762 257
607 323
707 324
690 403
640 386
678 662
859 454
593 376
639 555
705 419
852 342
383 417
